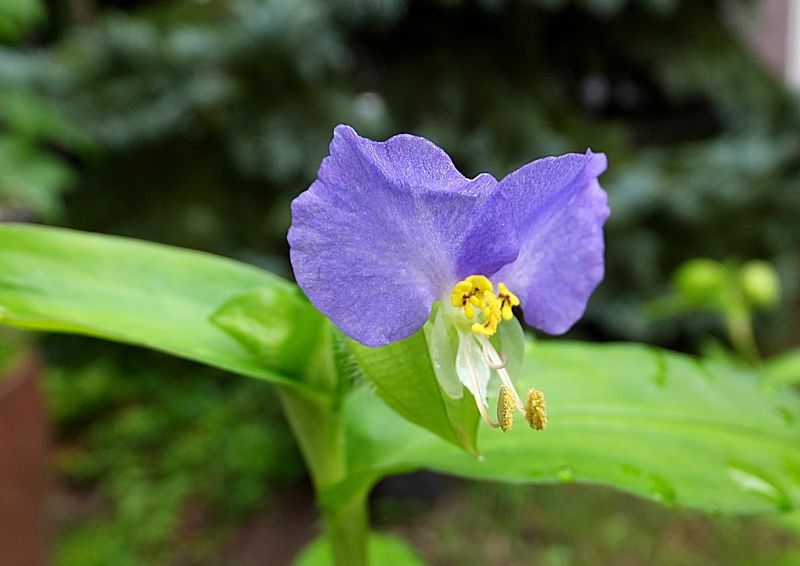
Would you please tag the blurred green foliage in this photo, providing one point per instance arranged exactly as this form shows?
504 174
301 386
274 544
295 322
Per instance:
12 343
174 459
733 291
32 175
564 525
17 17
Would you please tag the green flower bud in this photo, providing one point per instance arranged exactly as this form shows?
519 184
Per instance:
760 284
701 281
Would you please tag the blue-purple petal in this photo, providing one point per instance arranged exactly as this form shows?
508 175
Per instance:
559 209
389 227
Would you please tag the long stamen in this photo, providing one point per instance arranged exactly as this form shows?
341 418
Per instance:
488 359
494 360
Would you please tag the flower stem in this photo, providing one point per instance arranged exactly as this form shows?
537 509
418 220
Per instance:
740 331
347 529
319 431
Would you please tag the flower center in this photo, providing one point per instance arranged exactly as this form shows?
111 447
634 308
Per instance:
478 291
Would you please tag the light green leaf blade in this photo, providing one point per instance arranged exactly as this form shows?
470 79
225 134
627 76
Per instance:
140 293
661 425
277 330
783 369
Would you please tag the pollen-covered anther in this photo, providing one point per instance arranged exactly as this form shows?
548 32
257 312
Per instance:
536 410
505 408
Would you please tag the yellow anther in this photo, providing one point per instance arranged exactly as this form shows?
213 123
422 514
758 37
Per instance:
508 300
468 311
461 294
536 410
477 300
480 283
505 409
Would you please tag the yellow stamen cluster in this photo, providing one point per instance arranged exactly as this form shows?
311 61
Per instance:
470 293
478 291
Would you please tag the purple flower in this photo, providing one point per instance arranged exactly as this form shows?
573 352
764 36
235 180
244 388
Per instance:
388 228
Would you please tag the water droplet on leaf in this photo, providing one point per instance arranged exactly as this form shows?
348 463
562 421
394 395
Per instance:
566 474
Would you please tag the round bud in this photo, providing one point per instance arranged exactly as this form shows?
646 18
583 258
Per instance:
701 281
760 284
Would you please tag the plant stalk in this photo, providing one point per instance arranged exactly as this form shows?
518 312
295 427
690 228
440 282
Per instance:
347 529
320 434
740 331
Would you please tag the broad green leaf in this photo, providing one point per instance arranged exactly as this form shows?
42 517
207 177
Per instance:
783 369
404 378
661 425
276 329
145 294
382 549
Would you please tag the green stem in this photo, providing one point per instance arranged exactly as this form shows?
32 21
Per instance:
740 331
319 431
347 528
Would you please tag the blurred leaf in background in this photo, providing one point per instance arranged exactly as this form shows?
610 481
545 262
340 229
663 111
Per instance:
32 174
733 291
18 17
32 133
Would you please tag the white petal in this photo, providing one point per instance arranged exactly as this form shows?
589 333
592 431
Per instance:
442 350
470 367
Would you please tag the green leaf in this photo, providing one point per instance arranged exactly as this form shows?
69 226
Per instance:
149 295
258 319
661 425
383 549
783 369
404 378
